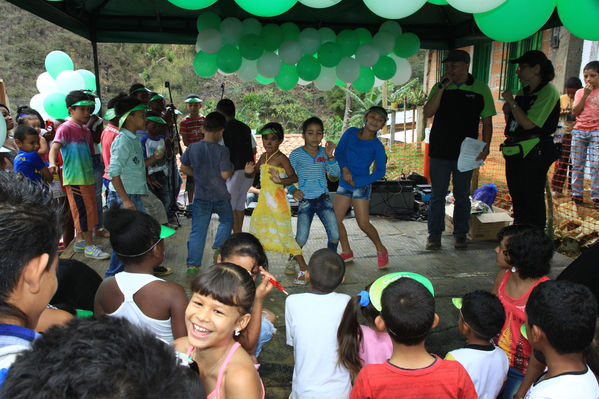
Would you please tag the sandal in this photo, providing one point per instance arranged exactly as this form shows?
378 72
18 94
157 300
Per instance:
300 275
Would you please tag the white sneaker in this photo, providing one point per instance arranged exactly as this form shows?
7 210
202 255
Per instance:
94 252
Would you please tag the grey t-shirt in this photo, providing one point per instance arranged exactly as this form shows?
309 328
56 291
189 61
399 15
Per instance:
208 159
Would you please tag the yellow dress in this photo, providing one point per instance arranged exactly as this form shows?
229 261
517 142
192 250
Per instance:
271 219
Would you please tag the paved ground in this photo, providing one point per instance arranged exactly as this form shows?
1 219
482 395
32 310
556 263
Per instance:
452 273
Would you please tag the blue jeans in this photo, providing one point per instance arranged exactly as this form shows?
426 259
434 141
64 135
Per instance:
323 207
583 144
267 330
514 379
163 192
441 170
362 193
200 220
114 200
98 165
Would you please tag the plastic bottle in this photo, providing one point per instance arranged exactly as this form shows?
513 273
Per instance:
558 136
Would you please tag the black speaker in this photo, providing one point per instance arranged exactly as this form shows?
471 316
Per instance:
392 197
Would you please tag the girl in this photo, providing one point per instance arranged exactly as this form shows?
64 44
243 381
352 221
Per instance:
245 250
136 294
219 310
356 151
313 164
271 219
360 345
523 257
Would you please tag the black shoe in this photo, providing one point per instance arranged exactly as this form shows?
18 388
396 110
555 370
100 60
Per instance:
433 243
161 271
460 243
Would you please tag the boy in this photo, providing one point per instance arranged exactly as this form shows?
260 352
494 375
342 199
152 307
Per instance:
28 161
209 163
154 142
74 142
481 318
560 324
140 92
408 315
191 130
311 321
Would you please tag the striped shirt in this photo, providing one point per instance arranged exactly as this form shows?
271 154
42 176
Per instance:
311 171
192 128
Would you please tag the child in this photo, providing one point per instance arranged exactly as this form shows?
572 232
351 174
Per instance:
217 313
155 142
360 345
523 257
585 135
313 164
271 219
191 129
243 249
311 321
481 318
356 151
30 117
28 161
560 323
74 142
209 162
135 293
407 309
141 92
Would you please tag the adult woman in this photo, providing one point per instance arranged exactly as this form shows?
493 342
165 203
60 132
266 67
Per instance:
531 118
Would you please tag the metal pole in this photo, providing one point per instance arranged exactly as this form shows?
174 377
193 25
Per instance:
96 64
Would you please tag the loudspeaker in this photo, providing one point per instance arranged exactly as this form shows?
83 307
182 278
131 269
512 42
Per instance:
391 197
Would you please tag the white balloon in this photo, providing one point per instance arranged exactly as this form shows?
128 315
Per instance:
309 39
290 52
251 25
319 3
475 6
378 82
248 70
394 9
303 82
367 55
45 83
404 70
209 41
225 73
327 35
269 65
231 30
348 70
37 101
67 81
385 42
327 79
390 26
98 105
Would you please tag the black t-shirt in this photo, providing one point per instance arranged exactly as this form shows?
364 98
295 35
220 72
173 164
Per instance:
541 107
238 139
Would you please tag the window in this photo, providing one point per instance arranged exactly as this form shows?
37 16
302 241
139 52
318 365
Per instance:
481 62
441 55
509 79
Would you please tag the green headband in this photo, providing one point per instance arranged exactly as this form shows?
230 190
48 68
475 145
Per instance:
157 97
523 331
110 114
378 111
376 289
140 107
268 131
193 100
140 89
166 231
156 119
83 103
457 302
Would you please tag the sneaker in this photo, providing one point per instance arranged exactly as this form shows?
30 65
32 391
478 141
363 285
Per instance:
347 257
460 243
433 243
94 252
79 246
383 258
301 278
290 267
192 269
161 271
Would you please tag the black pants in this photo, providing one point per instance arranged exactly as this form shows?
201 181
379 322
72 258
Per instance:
526 178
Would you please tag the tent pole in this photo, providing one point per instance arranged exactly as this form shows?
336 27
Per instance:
96 65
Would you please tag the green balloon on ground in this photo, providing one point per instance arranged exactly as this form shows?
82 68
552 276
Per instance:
207 20
89 79
287 79
192 4
250 46
263 80
329 54
365 81
204 64
272 37
515 20
308 68
57 62
228 59
55 105
269 8
406 45
580 17
439 2
290 31
348 42
385 68
364 35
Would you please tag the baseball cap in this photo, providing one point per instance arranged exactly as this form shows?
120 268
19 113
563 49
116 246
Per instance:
457 55
533 57
376 289
193 98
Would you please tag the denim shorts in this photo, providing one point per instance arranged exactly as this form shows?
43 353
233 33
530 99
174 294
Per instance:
362 193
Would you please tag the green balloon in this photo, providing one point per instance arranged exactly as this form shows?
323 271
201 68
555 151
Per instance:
228 59
365 81
192 4
348 42
57 62
89 79
385 68
308 68
406 45
515 20
55 105
263 80
339 82
580 17
364 35
207 20
439 2
205 64
329 54
269 8
287 78
272 37
289 29
250 46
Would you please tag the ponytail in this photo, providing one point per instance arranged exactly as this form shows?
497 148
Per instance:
349 338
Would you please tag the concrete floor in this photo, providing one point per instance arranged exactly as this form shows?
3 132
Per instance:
453 273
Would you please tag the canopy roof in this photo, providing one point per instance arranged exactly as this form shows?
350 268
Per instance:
158 21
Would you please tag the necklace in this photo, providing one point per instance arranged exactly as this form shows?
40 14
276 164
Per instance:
268 158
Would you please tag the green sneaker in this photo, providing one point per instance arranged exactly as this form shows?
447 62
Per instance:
79 246
192 269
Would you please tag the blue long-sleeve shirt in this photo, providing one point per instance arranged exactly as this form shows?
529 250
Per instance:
357 155
311 171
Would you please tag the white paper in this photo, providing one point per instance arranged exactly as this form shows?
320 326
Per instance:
471 148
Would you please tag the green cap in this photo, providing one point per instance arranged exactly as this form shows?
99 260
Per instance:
376 289
83 103
267 131
166 232
110 114
140 89
157 97
140 107
156 119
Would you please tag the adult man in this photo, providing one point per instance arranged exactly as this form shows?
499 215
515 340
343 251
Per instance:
458 103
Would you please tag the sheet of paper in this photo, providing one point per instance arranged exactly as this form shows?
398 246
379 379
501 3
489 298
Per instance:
470 149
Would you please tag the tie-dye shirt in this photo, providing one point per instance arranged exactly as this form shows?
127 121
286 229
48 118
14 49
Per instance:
77 149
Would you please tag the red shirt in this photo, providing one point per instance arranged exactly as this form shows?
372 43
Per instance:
192 128
443 379
108 135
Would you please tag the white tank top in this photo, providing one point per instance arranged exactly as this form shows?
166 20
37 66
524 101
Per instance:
129 284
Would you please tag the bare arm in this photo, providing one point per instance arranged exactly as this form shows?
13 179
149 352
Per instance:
53 157
577 110
226 175
487 135
517 112
46 175
186 170
242 382
432 106
249 337
291 176
43 146
177 310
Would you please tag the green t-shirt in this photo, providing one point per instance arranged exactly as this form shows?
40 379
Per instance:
542 107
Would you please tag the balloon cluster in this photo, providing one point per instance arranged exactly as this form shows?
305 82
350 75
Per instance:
288 56
59 80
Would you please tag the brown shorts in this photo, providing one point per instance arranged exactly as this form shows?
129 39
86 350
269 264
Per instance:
82 201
